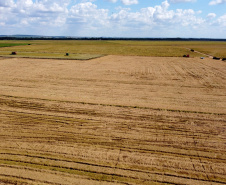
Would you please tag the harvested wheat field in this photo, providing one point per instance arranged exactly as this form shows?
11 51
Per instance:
113 120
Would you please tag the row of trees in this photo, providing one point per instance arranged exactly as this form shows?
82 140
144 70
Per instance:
105 38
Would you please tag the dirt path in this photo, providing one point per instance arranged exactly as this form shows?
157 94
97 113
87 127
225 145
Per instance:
210 56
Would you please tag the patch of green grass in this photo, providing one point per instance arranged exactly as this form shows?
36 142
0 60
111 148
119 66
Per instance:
131 48
43 55
98 176
12 44
217 49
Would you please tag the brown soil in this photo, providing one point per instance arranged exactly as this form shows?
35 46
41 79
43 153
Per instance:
113 120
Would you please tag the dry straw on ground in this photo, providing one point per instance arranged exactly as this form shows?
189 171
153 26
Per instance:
113 120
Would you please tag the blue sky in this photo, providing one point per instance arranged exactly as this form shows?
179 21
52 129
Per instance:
114 18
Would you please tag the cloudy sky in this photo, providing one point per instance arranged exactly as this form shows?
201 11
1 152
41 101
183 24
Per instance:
114 18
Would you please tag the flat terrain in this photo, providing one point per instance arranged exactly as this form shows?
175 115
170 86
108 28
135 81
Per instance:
113 120
80 49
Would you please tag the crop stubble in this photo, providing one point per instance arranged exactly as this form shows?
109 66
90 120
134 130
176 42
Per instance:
113 120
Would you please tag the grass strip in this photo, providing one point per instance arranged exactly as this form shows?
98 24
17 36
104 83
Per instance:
12 44
107 177
58 56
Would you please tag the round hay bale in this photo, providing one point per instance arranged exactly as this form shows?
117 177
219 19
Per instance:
216 58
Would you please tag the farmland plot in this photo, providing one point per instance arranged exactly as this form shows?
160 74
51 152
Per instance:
113 120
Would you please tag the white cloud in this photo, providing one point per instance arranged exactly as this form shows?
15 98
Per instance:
8 3
2 24
29 16
113 1
24 3
158 20
157 16
58 17
216 2
88 13
125 2
129 2
211 15
222 21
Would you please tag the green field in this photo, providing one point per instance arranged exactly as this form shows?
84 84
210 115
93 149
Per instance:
46 55
93 49
11 44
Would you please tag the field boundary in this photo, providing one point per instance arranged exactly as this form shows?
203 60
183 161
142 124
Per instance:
79 57
116 105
